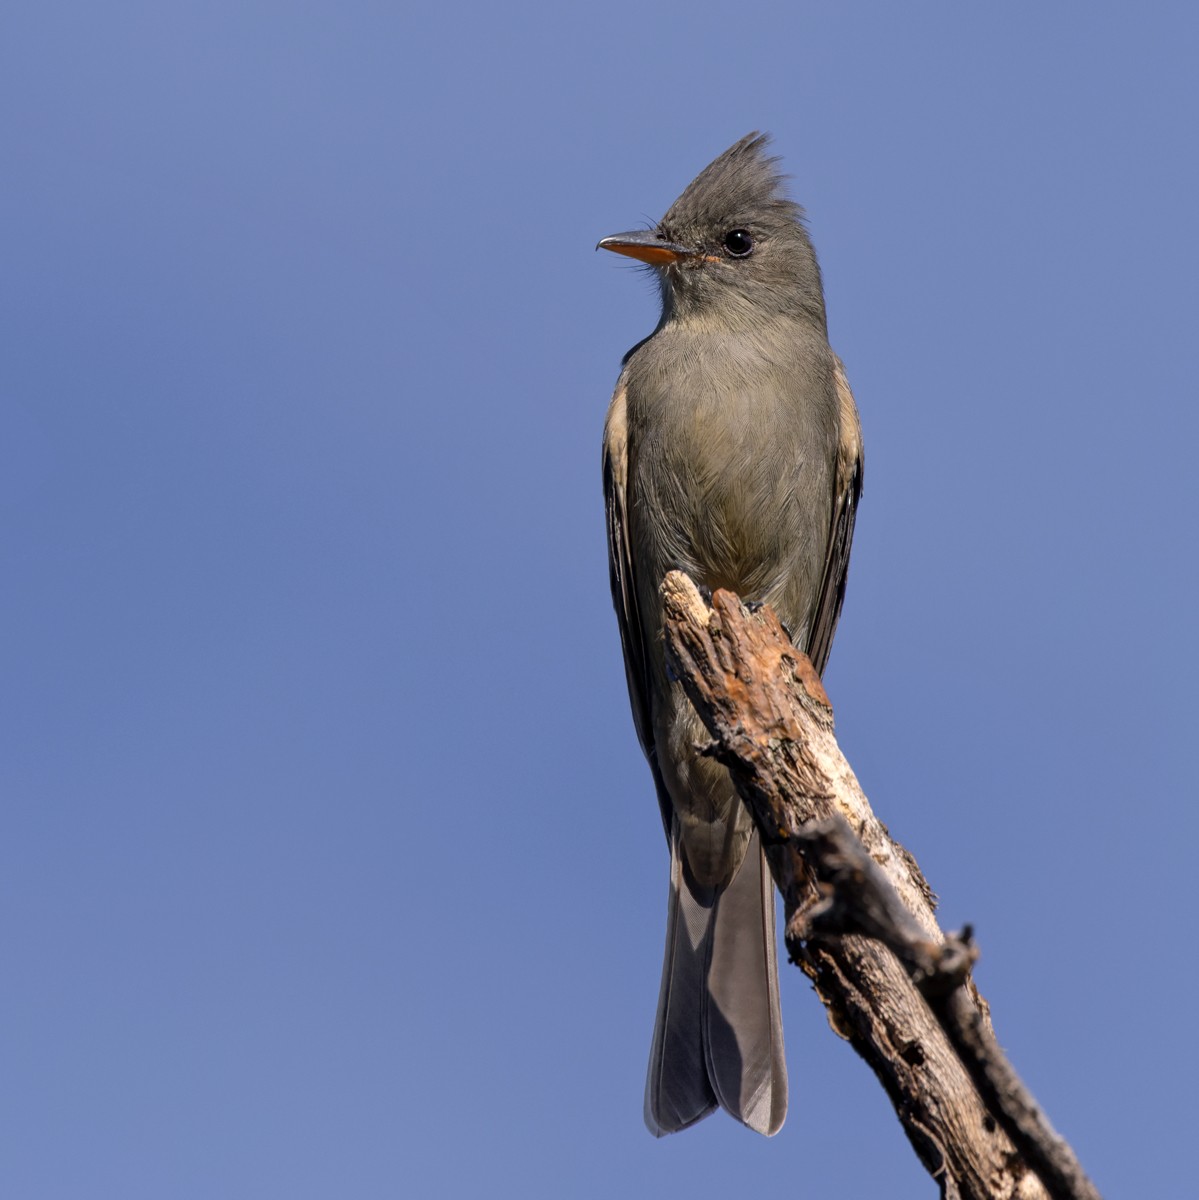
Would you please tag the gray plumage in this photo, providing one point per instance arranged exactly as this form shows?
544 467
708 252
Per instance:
732 451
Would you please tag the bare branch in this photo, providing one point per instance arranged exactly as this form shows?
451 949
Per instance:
859 912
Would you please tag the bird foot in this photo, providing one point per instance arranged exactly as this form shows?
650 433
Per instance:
755 606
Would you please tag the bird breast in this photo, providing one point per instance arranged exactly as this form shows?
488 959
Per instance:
731 451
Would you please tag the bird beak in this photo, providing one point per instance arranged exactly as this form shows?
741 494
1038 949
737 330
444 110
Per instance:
645 245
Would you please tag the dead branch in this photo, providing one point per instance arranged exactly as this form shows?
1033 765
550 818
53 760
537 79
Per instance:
859 911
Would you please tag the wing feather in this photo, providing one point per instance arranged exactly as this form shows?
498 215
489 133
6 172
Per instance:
624 588
845 506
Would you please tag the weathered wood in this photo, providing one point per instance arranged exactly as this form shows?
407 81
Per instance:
772 726
856 898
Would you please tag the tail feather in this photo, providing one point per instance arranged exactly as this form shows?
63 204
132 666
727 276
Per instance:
677 1091
744 1024
718 1039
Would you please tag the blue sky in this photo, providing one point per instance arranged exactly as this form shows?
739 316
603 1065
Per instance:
328 862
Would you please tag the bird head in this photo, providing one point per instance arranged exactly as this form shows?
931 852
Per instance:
732 248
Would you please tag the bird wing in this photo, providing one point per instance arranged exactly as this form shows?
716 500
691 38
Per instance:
624 588
845 505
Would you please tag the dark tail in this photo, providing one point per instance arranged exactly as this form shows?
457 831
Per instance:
718 1039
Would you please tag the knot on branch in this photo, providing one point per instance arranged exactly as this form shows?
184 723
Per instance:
854 896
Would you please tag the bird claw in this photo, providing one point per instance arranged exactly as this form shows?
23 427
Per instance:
753 607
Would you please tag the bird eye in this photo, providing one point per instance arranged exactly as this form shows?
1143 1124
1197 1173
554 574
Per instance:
738 243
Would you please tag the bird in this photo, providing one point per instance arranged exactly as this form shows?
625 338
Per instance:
733 452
